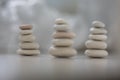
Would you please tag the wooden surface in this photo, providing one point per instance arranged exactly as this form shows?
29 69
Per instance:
16 67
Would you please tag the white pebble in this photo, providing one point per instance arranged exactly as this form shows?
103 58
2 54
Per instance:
62 27
98 37
98 31
62 42
96 44
96 53
32 45
60 21
25 32
62 51
27 38
28 52
98 24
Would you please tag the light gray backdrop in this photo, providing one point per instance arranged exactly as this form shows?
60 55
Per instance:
42 13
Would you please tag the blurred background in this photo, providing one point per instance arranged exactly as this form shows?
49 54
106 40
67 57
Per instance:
42 14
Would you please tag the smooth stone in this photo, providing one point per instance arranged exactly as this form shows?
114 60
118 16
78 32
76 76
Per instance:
62 27
25 32
62 52
98 37
60 21
26 27
69 35
96 53
27 38
96 44
62 42
98 31
28 52
29 45
98 24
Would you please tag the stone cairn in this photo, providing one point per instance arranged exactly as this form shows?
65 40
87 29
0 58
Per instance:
27 44
96 44
63 40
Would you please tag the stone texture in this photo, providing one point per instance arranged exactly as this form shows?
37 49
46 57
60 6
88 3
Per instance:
96 53
62 42
62 51
28 52
60 21
69 35
25 32
98 24
26 27
27 38
61 27
96 44
29 46
98 31
98 37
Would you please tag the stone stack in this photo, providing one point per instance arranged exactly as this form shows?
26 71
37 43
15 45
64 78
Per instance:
63 40
28 46
96 44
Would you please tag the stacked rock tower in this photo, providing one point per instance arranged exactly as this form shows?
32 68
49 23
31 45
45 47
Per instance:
96 44
27 44
62 42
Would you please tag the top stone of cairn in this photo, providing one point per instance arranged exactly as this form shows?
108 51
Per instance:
60 21
98 24
26 27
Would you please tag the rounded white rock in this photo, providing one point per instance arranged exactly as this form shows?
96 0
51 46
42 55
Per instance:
25 32
62 51
28 52
62 27
26 27
98 24
68 35
98 37
98 31
29 46
27 38
60 21
96 53
62 42
96 44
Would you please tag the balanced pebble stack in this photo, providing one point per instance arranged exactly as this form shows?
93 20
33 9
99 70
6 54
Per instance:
63 40
27 44
96 44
